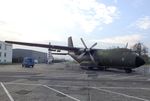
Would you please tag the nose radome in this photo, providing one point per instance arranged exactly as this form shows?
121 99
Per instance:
139 61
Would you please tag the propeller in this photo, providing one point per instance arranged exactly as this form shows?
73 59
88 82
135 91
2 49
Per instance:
83 43
87 51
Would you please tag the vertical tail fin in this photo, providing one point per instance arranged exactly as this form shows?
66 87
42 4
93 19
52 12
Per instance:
70 42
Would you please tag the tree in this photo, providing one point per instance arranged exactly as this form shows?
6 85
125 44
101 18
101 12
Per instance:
141 50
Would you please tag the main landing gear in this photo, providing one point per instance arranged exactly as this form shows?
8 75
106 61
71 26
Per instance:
97 68
128 70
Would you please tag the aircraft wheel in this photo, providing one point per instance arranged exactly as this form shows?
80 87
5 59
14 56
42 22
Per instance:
105 68
83 68
90 68
128 70
102 68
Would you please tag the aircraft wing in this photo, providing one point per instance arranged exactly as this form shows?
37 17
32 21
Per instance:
45 46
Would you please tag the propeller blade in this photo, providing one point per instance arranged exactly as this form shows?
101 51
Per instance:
92 58
81 55
93 45
83 43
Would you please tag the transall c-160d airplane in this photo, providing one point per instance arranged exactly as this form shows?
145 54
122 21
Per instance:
120 58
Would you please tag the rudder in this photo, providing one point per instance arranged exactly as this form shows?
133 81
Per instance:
70 42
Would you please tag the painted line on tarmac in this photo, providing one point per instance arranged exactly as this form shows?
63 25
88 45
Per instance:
16 76
61 93
97 88
46 87
126 77
27 84
125 95
6 91
132 88
111 75
148 80
66 86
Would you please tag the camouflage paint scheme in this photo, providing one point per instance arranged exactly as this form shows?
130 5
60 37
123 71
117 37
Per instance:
120 58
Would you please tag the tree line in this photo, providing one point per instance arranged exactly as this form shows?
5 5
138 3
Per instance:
142 51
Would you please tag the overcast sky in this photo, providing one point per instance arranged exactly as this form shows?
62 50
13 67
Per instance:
108 22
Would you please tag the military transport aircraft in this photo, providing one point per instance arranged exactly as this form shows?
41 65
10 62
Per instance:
120 58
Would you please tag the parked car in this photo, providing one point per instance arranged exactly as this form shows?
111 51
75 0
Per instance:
28 62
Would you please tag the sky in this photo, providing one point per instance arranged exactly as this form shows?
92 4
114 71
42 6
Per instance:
110 23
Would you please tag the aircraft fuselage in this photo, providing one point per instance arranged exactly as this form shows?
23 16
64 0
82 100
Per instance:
120 58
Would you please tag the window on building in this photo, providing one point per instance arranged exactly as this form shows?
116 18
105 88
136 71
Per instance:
4 61
5 47
0 54
4 54
0 61
0 46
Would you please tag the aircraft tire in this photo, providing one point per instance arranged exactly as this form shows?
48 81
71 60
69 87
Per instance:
84 68
128 70
102 68
90 68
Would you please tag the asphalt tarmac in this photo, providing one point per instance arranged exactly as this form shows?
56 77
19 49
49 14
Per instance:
67 82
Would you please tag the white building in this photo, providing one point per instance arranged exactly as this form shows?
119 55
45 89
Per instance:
5 53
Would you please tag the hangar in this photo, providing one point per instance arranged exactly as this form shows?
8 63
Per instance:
19 54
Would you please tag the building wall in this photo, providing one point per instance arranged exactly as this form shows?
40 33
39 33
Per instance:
5 52
40 56
19 54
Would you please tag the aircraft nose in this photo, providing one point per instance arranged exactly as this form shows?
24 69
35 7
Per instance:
139 61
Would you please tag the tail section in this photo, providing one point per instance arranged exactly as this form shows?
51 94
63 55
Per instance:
72 53
70 42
